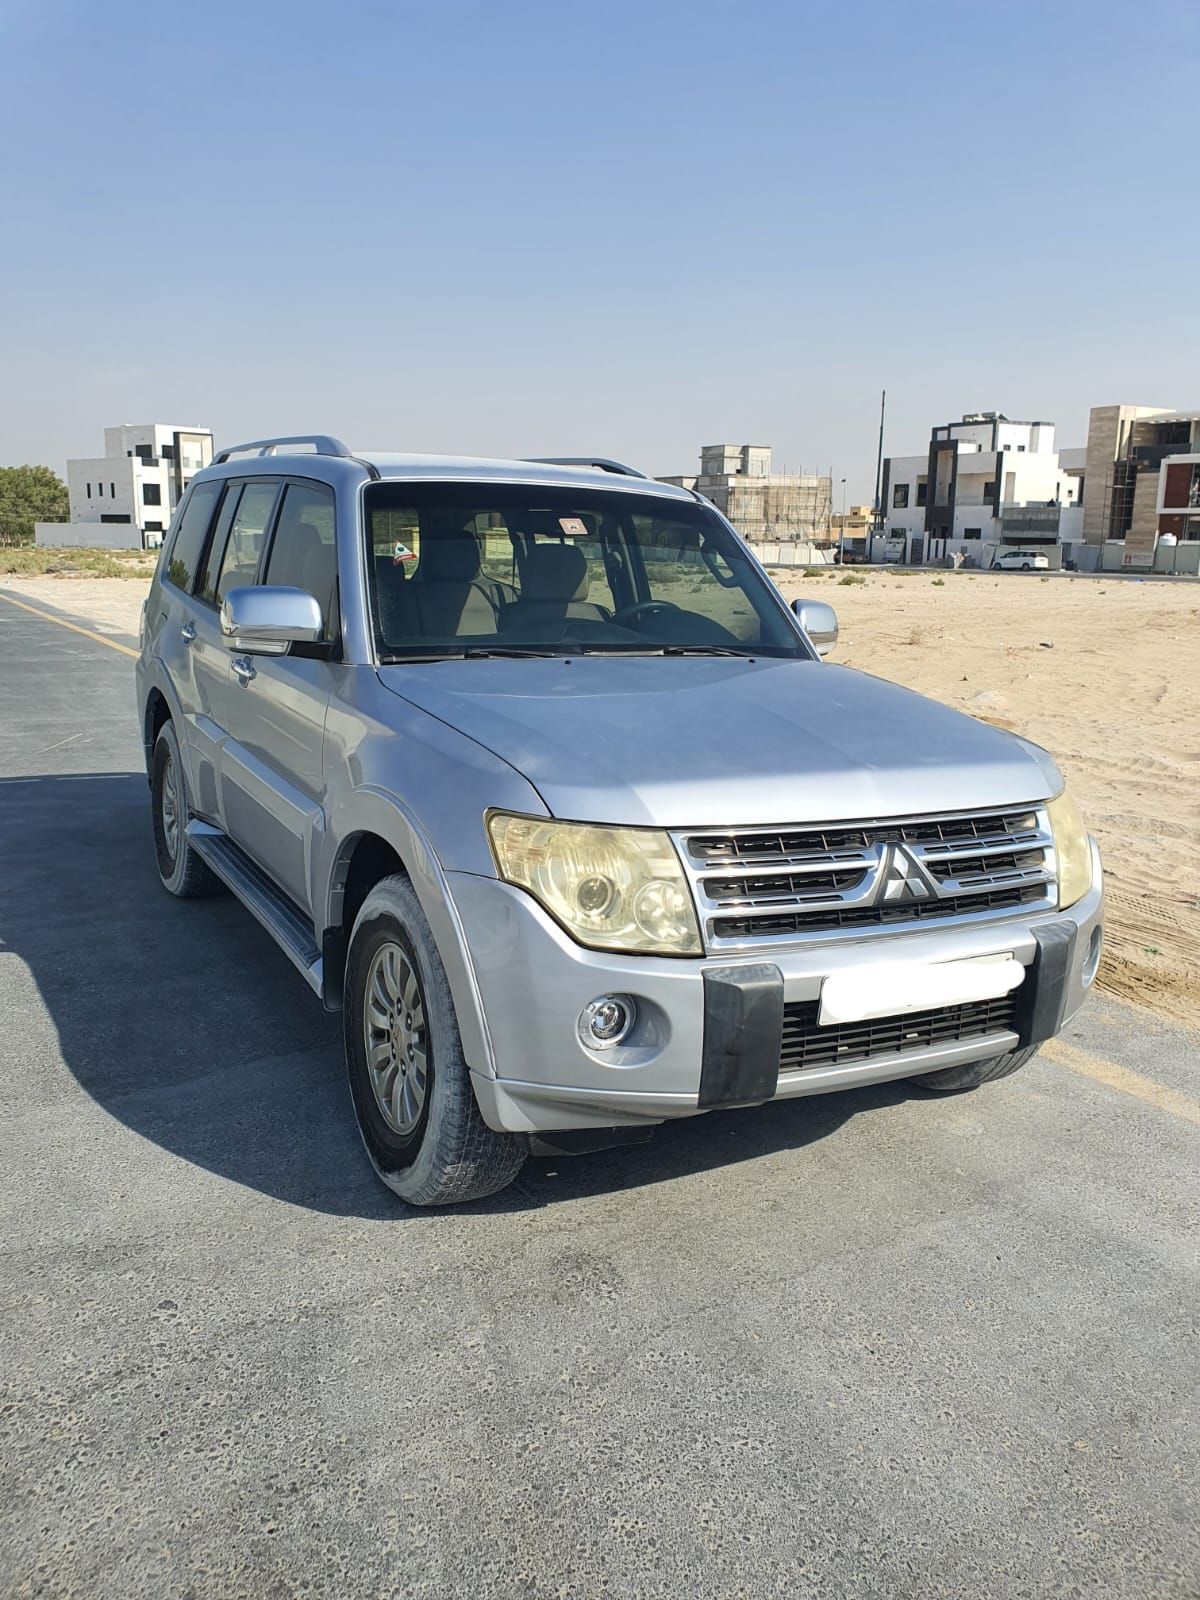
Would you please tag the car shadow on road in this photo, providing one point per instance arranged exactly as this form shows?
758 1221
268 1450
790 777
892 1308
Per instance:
185 1022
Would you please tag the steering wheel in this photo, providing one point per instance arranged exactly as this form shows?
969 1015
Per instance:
643 608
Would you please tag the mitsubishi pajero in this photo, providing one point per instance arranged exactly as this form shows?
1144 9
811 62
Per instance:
532 773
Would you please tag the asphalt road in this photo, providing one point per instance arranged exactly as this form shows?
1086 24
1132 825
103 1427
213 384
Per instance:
866 1345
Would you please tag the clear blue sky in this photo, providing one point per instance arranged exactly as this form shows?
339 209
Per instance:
549 228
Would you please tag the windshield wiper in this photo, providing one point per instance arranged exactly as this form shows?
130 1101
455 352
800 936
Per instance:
704 650
480 652
467 653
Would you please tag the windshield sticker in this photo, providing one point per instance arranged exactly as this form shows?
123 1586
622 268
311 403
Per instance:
573 527
400 554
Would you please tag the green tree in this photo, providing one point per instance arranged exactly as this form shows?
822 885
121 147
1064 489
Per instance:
29 495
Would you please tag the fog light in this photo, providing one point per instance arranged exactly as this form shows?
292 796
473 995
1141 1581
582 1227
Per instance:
607 1020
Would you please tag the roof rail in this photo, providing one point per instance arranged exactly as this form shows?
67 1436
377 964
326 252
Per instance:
602 463
323 445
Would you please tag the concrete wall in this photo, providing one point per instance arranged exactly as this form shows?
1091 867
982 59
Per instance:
91 535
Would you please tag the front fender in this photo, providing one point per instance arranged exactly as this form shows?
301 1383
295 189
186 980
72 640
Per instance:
370 810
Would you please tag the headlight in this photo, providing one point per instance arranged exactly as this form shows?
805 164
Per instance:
611 888
1072 849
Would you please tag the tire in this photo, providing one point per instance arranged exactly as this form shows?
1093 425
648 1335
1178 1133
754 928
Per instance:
180 869
953 1080
415 1108
1025 567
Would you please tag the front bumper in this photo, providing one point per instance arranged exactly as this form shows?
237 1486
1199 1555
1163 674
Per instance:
708 1029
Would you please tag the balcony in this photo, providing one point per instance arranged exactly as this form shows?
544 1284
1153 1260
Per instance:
1042 520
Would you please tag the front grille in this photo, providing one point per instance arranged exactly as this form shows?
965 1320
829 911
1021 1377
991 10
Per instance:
873 916
757 885
806 1044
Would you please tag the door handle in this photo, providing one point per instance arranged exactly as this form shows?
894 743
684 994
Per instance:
244 667
188 632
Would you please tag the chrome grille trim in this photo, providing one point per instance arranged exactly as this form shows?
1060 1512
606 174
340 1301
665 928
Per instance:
757 887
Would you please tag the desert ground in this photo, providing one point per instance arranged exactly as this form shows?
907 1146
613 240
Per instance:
1104 673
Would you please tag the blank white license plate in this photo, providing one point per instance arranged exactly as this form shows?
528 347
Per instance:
891 988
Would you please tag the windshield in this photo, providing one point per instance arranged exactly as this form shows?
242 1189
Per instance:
478 569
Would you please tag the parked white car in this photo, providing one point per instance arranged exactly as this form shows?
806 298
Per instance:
1022 561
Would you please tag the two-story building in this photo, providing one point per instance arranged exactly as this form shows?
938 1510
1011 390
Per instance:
126 497
984 482
1143 486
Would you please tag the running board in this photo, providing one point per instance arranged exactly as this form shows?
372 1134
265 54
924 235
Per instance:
247 880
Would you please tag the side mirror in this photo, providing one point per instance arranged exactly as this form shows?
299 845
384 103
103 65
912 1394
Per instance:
267 619
819 622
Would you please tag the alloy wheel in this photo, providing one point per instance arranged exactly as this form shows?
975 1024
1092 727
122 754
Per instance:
395 1037
169 803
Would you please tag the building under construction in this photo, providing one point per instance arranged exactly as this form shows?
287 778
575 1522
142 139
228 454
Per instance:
762 505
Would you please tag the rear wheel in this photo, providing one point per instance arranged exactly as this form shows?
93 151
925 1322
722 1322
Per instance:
1025 566
179 867
952 1080
410 1085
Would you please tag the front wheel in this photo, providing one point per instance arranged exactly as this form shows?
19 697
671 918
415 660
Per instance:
410 1085
952 1080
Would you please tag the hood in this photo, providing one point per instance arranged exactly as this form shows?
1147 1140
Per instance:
699 741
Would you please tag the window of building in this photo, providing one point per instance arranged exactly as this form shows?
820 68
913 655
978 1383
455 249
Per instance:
189 537
114 516
154 527
112 491
989 491
900 496
100 491
303 550
922 491
89 490
151 494
168 452
145 452
972 533
1020 449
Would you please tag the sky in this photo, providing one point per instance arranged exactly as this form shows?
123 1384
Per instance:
627 229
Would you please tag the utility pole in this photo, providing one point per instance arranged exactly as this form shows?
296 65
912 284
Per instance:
842 529
875 520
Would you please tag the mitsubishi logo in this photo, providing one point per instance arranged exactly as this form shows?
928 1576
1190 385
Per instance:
902 878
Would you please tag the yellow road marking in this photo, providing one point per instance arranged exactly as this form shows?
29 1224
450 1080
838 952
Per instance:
1117 1077
74 626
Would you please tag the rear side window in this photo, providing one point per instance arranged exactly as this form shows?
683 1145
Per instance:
304 550
189 540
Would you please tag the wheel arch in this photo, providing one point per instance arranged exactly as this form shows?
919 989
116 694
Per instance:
382 841
160 705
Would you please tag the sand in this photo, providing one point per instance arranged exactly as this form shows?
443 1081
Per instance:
1116 699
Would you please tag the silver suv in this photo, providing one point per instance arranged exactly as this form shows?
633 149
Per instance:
532 773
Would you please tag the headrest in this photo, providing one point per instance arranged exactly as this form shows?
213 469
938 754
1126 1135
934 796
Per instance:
306 537
554 572
451 556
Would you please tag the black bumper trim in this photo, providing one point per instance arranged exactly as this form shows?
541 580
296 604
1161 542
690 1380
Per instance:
1042 998
743 1035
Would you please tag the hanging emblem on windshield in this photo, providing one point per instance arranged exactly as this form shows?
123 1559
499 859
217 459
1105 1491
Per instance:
902 877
